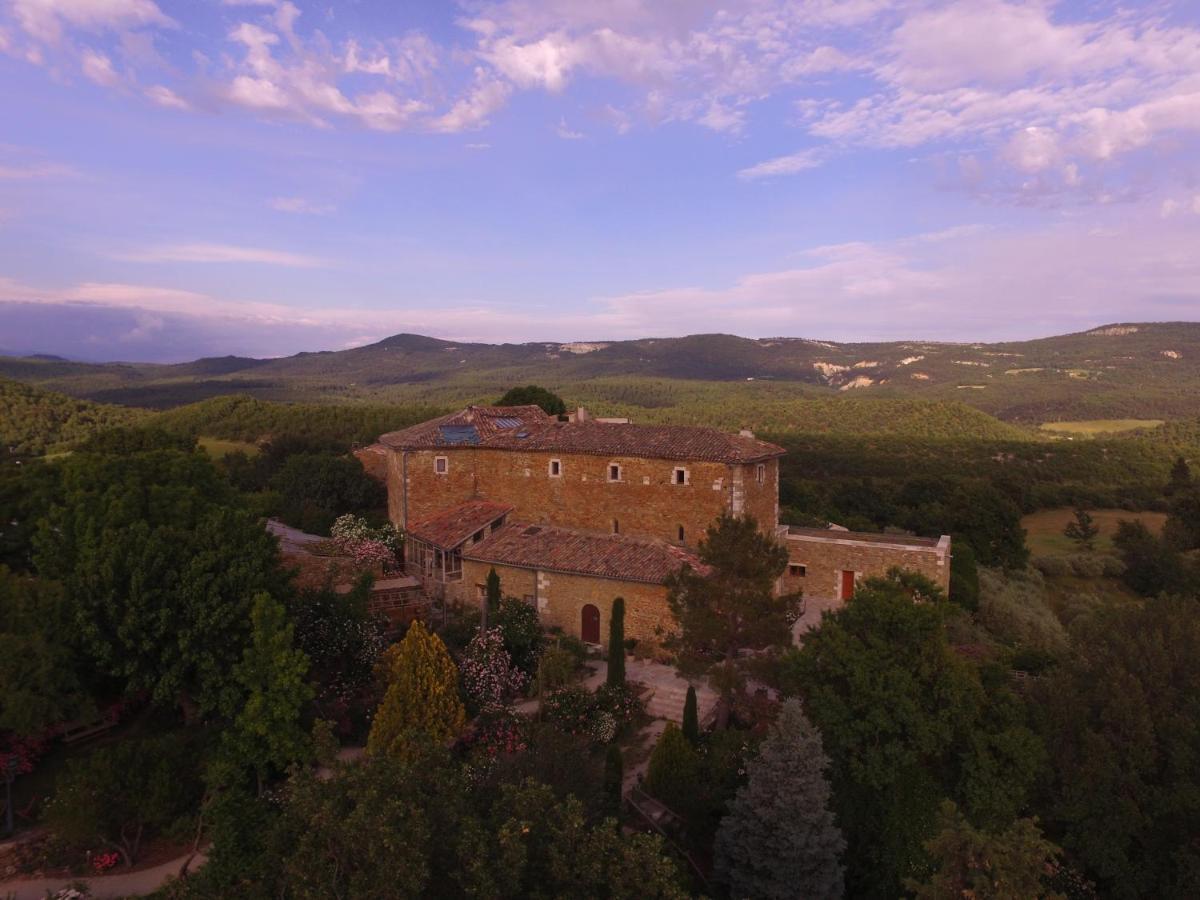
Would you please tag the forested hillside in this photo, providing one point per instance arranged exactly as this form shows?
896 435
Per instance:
34 421
1117 371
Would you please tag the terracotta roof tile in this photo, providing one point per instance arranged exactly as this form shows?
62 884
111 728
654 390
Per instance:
452 526
519 428
582 553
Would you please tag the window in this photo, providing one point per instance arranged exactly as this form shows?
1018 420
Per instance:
796 570
478 536
614 472
555 468
441 465
481 592
616 526
680 475
681 534
760 473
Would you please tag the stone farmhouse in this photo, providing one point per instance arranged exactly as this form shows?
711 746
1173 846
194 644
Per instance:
575 512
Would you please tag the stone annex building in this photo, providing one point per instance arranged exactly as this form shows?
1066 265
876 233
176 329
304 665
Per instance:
575 512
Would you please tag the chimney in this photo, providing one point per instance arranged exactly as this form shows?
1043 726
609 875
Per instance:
746 432
581 414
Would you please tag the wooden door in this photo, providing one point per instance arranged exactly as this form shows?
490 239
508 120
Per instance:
590 630
847 590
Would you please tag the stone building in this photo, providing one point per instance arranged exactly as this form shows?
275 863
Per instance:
573 513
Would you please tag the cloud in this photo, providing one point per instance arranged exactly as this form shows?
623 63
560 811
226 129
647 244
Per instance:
45 19
473 110
35 171
161 95
221 253
782 165
565 132
300 206
99 68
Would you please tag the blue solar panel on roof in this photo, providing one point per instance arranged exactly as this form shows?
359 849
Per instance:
508 422
459 434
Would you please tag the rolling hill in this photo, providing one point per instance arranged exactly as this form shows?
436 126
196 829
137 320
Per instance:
1116 371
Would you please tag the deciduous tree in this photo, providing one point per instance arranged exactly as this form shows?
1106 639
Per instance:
1083 529
268 733
906 722
1010 865
780 839
160 564
532 395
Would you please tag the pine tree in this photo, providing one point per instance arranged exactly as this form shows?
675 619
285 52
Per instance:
422 695
1082 529
779 838
616 644
614 779
691 718
268 733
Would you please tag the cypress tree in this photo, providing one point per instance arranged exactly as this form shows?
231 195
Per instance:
779 838
691 718
491 600
614 779
616 644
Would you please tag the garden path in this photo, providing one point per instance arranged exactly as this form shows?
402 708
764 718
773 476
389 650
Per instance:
106 887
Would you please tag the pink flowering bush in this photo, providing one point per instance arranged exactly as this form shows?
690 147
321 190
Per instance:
102 862
366 545
488 675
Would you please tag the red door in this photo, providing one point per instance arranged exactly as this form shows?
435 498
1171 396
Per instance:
591 625
847 585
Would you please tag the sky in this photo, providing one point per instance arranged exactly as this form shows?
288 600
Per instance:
186 178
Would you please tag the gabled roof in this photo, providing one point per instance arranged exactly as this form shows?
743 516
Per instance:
528 428
582 553
449 528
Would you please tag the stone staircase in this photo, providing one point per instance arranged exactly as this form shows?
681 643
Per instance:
666 701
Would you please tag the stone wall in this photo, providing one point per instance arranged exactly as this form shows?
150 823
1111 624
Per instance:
560 599
825 558
646 501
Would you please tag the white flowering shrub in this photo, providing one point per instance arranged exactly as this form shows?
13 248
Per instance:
488 674
366 545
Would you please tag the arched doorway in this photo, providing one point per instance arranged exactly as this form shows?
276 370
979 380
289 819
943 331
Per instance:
590 629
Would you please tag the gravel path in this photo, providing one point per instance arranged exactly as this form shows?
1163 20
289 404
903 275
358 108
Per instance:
106 887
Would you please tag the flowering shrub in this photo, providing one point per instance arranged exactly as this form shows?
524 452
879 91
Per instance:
26 750
621 702
366 545
601 726
489 677
570 708
501 732
102 862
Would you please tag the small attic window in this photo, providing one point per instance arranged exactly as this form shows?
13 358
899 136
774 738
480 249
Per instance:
679 476
555 468
614 472
532 530
441 465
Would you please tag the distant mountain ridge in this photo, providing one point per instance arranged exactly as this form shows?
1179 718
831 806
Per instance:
1147 370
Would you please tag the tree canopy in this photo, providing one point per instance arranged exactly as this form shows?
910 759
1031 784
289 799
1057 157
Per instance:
533 395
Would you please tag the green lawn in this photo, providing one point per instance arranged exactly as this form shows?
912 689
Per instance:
218 448
1044 528
1087 427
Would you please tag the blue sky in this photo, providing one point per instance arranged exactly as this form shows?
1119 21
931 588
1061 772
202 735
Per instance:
262 176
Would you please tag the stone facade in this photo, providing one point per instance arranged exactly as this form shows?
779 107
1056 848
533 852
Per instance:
561 597
824 556
645 500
